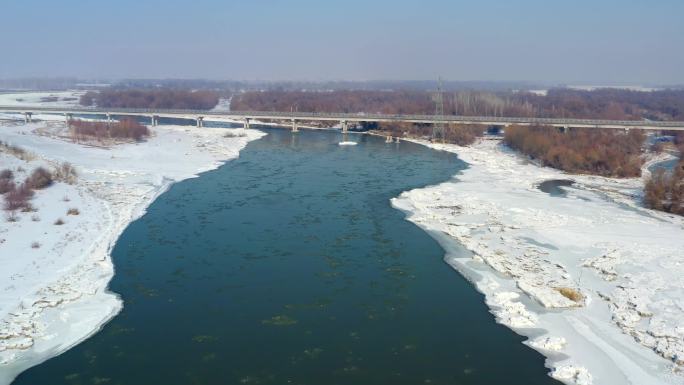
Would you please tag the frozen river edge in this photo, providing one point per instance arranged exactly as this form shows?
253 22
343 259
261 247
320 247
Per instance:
55 297
523 248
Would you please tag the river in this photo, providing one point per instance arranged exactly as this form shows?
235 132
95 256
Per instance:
289 266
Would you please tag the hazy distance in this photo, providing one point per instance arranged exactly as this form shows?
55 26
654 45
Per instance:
604 41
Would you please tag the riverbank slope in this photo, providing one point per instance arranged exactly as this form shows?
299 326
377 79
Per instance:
53 284
594 280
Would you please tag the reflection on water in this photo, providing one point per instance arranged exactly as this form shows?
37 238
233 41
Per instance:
288 266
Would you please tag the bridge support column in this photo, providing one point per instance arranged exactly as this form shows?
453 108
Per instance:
28 117
246 125
154 120
295 128
345 127
200 121
67 119
109 118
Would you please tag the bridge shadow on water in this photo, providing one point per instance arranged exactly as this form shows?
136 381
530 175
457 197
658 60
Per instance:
289 266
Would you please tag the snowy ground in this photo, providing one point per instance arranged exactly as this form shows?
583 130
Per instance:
43 99
527 248
54 296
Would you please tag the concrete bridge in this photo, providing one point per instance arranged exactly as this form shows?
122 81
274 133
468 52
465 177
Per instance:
295 118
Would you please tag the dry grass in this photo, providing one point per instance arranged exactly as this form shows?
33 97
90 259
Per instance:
66 173
35 245
35 218
73 211
59 222
571 294
16 151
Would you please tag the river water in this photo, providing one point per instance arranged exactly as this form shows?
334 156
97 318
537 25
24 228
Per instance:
289 266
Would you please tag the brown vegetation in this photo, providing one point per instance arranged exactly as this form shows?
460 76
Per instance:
571 294
18 198
462 135
166 99
664 191
558 103
73 211
599 152
6 181
66 173
16 151
39 179
124 129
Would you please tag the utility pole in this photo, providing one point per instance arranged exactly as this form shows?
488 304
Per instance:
438 128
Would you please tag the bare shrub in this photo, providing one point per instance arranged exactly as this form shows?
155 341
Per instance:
35 218
12 216
73 211
6 185
664 191
66 199
126 128
66 173
6 174
28 208
35 245
59 222
18 198
604 152
39 179
16 151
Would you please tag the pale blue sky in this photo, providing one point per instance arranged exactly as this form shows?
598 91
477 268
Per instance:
605 41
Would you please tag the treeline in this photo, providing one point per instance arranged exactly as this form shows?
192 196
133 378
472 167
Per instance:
126 128
664 191
460 134
557 103
598 152
162 99
385 102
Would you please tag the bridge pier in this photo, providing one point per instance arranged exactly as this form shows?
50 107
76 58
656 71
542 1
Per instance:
295 128
345 126
28 117
246 124
109 118
200 121
154 120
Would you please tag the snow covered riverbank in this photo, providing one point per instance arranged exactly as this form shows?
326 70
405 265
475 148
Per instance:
54 295
594 281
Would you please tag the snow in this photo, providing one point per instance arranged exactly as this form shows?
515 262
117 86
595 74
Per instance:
33 99
54 296
593 279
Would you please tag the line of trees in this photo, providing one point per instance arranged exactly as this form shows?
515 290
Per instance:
598 152
557 103
460 134
126 128
163 99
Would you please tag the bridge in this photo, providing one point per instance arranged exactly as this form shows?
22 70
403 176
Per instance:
295 118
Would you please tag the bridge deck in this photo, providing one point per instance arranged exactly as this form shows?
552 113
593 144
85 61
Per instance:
360 117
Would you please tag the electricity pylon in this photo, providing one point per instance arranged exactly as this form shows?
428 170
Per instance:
438 128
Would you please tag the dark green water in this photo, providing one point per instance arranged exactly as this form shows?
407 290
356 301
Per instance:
289 266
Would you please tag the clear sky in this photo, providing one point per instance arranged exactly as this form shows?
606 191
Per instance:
596 41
